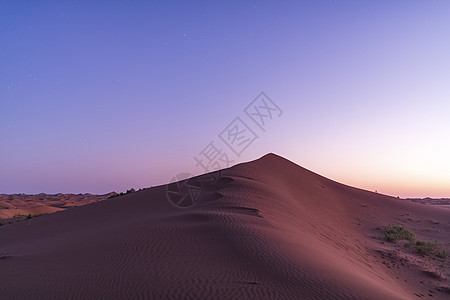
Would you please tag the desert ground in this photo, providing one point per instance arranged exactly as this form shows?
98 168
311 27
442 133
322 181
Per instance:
19 206
266 229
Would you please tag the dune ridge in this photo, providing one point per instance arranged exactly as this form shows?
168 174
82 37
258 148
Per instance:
267 229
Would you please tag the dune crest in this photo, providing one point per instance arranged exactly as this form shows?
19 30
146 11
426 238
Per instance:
266 229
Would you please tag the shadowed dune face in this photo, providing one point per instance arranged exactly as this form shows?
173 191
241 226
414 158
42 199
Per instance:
267 229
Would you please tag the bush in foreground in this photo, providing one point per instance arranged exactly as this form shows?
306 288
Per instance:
395 233
426 248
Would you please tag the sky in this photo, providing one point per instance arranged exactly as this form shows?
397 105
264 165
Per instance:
100 96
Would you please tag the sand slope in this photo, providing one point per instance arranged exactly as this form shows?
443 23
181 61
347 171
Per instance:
267 229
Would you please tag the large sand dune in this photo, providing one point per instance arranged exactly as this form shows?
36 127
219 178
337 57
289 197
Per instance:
266 229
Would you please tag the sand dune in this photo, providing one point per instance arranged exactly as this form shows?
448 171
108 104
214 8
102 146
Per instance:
266 229
38 204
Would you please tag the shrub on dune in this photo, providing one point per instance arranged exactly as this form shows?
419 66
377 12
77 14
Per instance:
395 233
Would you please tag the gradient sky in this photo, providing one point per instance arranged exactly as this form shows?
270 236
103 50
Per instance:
98 96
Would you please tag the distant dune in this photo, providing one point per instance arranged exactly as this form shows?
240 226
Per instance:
444 202
37 204
267 229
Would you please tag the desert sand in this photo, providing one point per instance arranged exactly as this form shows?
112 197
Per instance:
266 229
18 205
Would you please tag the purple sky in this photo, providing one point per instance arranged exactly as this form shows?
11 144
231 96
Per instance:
113 95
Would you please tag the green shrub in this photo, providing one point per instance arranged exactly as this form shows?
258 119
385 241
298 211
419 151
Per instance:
132 190
440 270
395 233
426 248
442 253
